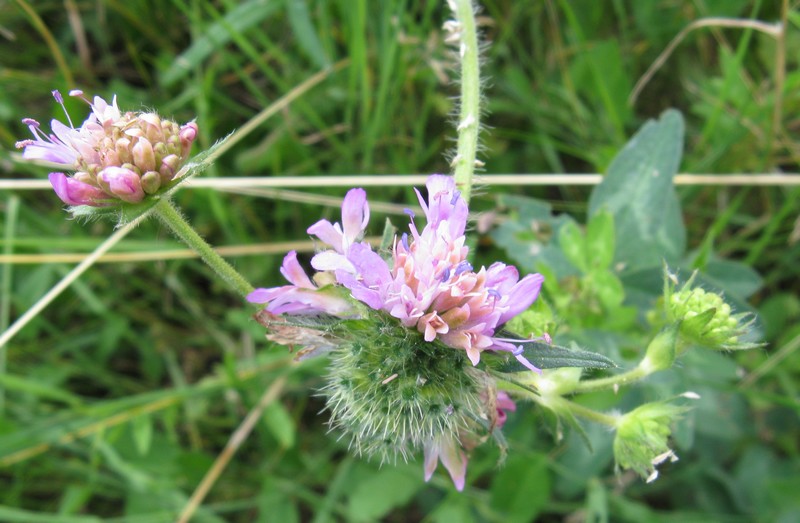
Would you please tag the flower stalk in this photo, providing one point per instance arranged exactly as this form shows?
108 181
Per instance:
173 219
464 34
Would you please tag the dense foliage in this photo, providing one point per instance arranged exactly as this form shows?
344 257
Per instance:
117 399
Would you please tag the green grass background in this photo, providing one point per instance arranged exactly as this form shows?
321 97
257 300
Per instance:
116 400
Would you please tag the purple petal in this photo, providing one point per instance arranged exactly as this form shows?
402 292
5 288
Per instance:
521 296
325 231
355 214
294 273
73 192
50 152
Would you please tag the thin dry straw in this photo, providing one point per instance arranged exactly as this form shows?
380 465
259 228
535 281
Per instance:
407 180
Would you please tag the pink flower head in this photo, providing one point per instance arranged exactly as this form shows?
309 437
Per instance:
430 285
116 156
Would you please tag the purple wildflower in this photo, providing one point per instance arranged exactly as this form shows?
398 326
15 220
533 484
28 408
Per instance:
116 156
431 286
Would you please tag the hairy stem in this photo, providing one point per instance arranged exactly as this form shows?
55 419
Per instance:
469 114
618 380
170 216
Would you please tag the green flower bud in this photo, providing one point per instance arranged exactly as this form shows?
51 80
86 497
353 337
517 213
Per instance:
661 351
705 318
641 437
151 181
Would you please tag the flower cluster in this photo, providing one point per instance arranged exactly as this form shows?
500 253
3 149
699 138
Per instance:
115 156
430 286
394 383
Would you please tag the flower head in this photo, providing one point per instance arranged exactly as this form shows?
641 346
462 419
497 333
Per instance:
430 286
115 156
395 384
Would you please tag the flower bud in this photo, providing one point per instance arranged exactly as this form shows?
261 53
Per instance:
123 183
169 167
143 156
661 351
151 182
188 134
641 437
705 318
123 149
151 125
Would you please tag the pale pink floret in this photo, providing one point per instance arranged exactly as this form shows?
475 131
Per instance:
73 192
301 297
452 457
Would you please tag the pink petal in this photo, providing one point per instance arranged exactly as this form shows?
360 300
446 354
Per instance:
294 273
73 192
455 462
355 214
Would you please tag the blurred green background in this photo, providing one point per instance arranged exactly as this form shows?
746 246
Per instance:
116 400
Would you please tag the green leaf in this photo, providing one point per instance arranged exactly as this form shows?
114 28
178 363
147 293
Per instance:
304 31
546 356
215 36
600 240
638 191
280 423
521 489
573 243
379 493
142 427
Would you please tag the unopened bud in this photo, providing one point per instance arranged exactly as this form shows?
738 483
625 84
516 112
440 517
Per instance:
169 167
123 148
151 125
151 182
662 349
188 135
143 155
123 183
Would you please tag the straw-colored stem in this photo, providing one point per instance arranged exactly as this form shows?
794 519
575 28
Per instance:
12 210
236 440
71 276
173 219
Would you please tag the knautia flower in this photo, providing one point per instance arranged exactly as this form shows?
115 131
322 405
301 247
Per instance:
115 155
398 379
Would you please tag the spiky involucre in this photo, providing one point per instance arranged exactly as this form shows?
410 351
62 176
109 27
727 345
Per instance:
391 392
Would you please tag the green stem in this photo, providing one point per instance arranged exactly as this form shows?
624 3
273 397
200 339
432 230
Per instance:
559 404
470 111
618 380
170 216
